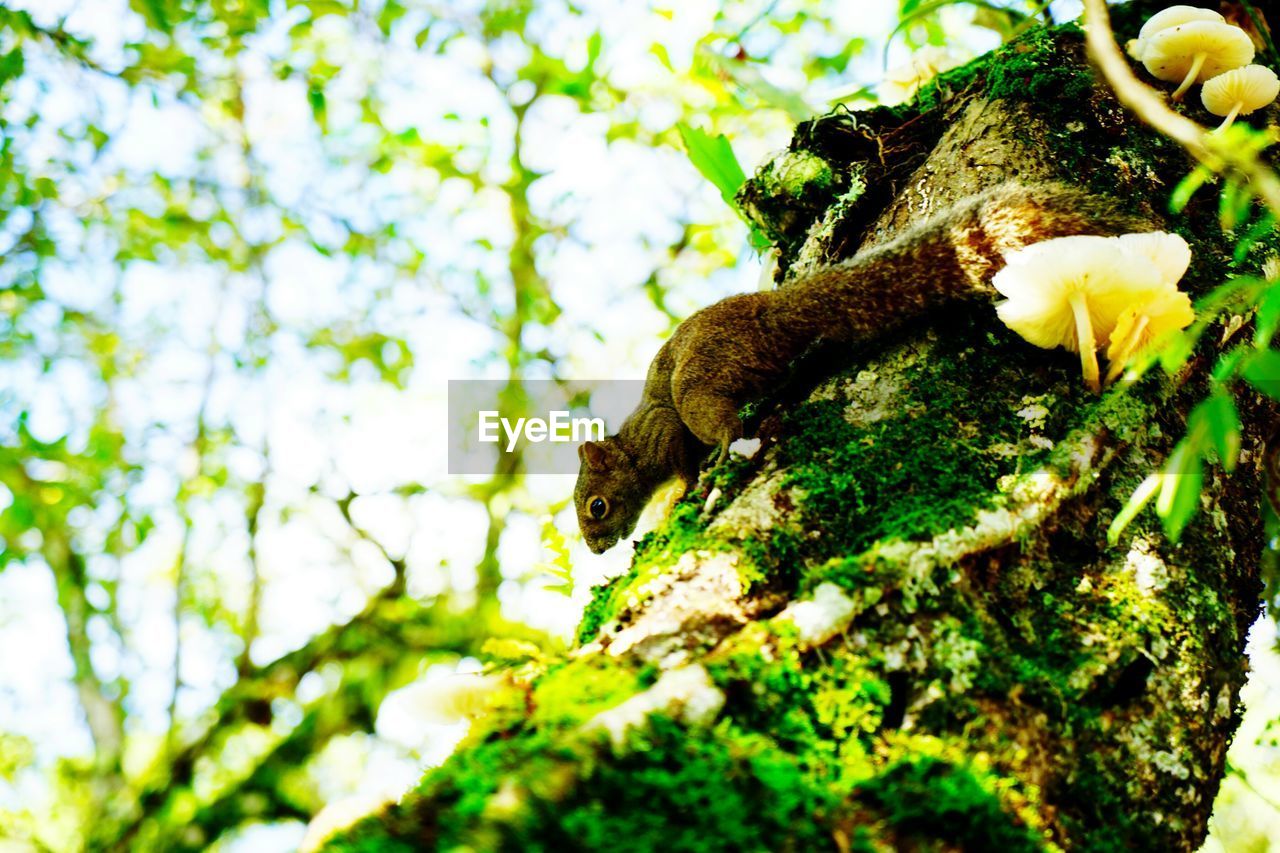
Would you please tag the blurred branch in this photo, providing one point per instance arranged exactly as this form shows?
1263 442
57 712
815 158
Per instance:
199 447
104 715
398 564
265 794
253 522
391 628
64 43
254 188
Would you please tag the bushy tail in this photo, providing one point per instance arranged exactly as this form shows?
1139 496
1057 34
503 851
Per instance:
952 255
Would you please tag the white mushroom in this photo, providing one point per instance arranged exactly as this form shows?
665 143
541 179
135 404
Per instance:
1196 51
902 82
1165 19
1168 253
1240 92
1070 292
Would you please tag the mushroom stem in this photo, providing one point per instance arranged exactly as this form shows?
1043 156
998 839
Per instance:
1231 116
1084 337
1127 349
1192 73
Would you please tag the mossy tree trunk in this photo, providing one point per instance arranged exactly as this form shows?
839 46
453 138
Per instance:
899 626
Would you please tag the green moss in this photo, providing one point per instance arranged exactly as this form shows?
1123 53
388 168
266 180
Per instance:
1104 821
889 480
826 709
731 791
368 836
573 692
788 191
597 612
932 799
1041 67
802 173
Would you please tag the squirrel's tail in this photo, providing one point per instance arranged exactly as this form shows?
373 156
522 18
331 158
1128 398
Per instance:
950 256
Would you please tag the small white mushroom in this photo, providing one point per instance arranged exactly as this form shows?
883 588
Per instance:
1240 92
1069 292
902 82
1165 19
1196 51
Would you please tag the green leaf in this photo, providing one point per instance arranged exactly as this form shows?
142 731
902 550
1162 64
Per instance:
1140 498
1217 417
1234 205
1262 371
1180 486
659 50
1187 187
1228 365
1268 319
1264 225
319 106
713 156
557 563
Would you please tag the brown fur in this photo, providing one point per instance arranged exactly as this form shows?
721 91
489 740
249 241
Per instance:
736 350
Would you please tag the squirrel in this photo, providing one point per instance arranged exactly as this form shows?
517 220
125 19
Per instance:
735 350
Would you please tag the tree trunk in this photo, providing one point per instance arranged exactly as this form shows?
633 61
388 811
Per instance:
899 626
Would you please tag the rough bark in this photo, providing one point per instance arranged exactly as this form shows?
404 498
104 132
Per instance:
899 626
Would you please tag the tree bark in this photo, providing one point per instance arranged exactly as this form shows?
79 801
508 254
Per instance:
899 626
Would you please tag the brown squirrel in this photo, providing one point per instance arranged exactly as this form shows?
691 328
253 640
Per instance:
734 351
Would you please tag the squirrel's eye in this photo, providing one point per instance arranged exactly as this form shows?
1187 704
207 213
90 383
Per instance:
599 507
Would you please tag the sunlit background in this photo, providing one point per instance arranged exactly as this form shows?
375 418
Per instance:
244 244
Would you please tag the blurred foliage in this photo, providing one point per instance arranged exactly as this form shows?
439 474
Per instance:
231 232
243 243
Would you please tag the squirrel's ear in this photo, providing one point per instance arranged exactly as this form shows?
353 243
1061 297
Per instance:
593 455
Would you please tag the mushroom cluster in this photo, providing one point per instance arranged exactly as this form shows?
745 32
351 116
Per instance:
1087 292
1187 45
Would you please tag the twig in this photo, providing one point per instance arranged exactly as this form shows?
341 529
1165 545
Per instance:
1147 104
199 447
764 13
399 565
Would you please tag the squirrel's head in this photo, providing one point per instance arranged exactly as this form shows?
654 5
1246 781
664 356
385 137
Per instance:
608 495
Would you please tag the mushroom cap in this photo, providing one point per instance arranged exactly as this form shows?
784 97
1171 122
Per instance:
1041 280
1170 53
1251 87
1163 20
1169 253
1174 16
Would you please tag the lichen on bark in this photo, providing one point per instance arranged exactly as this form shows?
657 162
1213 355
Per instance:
899 624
